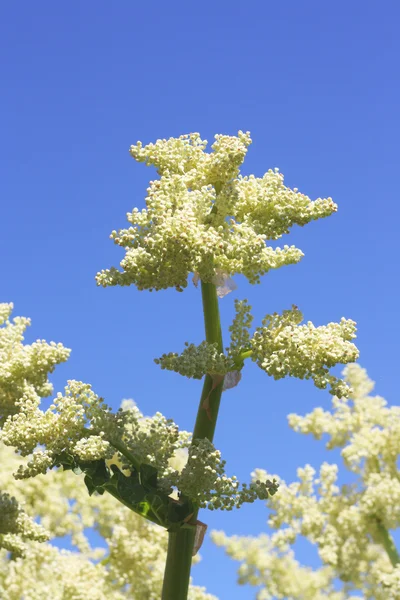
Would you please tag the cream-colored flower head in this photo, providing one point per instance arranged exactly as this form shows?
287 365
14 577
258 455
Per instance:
132 553
24 368
203 217
350 525
281 347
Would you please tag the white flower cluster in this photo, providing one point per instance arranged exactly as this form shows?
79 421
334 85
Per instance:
281 347
186 156
131 568
47 572
203 218
51 498
350 525
24 366
196 361
240 336
16 526
154 440
66 425
203 478
277 574
368 429
284 347
80 423
269 207
333 521
390 583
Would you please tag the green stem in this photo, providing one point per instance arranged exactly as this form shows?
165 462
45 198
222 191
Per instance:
178 565
387 542
207 420
118 445
180 544
243 355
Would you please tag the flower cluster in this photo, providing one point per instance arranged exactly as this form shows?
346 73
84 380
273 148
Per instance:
24 367
132 566
334 521
48 572
366 428
153 440
79 422
276 574
196 361
203 478
350 525
16 526
283 347
202 217
82 424
186 156
269 207
240 335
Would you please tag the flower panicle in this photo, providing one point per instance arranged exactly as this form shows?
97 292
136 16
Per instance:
203 217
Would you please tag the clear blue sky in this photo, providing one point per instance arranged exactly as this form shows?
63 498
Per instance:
316 83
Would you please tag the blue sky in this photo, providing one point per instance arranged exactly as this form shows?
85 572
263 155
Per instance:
317 84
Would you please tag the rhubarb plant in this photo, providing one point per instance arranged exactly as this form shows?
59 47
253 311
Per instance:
204 224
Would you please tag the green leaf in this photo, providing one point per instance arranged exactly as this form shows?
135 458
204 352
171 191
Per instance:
148 476
179 511
138 491
90 487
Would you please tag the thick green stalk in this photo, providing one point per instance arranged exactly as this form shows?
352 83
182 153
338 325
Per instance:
178 565
180 544
207 419
387 542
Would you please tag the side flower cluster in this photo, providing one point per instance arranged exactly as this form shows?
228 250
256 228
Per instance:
203 478
281 347
80 423
16 527
131 567
24 366
350 525
202 217
364 426
77 421
195 361
240 329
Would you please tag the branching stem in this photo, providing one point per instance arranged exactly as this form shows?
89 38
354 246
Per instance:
243 355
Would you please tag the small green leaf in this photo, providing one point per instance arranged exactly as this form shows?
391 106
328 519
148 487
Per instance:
148 476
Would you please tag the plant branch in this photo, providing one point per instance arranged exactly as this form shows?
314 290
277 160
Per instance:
120 446
243 355
388 543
